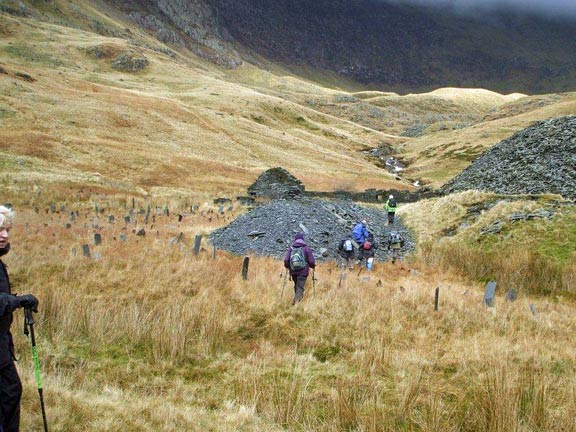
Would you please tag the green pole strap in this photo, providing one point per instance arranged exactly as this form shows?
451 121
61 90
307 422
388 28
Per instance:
37 367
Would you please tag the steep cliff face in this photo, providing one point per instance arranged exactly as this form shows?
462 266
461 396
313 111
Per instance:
406 47
373 42
186 23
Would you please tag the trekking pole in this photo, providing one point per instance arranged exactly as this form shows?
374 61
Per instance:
284 281
29 329
314 281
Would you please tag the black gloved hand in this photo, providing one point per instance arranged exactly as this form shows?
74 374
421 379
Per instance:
28 301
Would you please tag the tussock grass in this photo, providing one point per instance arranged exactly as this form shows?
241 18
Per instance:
531 256
152 337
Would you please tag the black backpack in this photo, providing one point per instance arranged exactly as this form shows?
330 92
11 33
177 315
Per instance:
391 202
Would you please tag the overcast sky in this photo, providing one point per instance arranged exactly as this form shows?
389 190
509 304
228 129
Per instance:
558 8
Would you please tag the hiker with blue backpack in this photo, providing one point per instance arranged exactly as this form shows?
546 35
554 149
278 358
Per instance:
299 259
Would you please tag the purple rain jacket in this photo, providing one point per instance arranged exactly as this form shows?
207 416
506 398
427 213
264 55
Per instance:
300 243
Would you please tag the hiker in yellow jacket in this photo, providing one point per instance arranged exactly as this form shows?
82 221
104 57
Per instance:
391 209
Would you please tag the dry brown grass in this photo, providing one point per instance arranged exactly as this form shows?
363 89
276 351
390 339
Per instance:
529 257
151 337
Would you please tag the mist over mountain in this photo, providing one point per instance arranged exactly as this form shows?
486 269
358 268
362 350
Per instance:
391 45
564 9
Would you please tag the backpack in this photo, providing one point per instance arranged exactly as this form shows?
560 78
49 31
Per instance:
348 247
297 259
395 238
367 245
392 203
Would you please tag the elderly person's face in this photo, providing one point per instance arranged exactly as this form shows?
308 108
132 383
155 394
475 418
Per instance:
4 231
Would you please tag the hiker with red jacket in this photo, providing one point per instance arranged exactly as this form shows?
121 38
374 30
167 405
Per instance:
299 260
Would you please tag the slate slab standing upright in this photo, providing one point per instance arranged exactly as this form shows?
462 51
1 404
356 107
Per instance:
245 265
511 295
490 294
436 298
97 239
86 250
197 242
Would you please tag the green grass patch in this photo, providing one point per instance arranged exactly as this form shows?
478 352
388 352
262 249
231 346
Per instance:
6 113
553 239
31 54
325 353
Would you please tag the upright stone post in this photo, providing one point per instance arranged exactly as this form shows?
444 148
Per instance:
245 265
436 298
197 242
490 294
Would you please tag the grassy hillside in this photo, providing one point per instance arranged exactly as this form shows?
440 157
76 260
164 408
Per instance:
70 117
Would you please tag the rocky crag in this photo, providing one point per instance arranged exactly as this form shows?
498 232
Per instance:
538 159
270 228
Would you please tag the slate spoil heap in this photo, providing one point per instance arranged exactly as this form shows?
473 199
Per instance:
270 228
276 183
538 159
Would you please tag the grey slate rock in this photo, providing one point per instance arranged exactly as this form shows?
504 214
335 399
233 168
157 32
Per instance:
276 183
274 225
538 159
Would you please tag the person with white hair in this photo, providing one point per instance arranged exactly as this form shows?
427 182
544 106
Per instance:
10 385
391 209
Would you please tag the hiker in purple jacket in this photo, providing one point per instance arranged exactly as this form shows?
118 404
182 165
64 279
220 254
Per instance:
299 260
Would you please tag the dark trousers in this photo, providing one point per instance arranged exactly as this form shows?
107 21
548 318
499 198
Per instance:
10 394
299 282
391 217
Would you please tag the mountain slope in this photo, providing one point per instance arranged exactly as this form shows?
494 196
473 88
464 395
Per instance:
389 45
69 116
